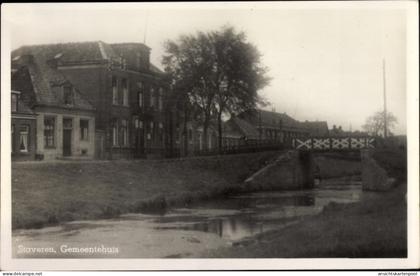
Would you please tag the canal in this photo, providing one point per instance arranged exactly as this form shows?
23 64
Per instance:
187 231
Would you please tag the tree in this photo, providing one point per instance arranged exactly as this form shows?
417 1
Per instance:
238 74
188 62
374 124
217 73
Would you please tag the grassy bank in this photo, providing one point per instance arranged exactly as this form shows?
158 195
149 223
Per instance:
49 193
393 160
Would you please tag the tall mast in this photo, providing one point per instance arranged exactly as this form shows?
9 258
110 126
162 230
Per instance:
384 86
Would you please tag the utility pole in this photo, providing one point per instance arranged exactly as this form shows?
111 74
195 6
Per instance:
385 112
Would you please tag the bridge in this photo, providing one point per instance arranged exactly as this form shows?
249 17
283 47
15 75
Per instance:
295 168
333 143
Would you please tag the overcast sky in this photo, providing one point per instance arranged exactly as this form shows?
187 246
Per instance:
325 64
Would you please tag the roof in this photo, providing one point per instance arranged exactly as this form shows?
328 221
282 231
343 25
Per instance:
70 52
315 125
88 52
230 130
133 45
248 130
270 119
155 69
45 81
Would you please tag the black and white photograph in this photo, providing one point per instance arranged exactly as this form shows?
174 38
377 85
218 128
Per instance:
210 135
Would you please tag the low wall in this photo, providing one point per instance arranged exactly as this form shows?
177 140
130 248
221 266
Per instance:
291 170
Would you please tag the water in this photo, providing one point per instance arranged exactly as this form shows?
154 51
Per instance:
187 231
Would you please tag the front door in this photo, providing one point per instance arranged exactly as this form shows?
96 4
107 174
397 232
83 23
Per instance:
67 133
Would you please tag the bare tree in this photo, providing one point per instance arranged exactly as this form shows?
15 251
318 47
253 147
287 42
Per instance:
374 124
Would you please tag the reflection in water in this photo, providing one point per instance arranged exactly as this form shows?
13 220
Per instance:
258 212
204 225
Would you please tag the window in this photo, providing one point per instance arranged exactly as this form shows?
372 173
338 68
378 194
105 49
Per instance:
67 95
140 99
200 141
115 133
84 129
209 142
49 132
138 60
114 91
14 102
124 133
124 84
67 123
152 92
177 136
138 123
152 125
13 138
190 135
23 138
160 101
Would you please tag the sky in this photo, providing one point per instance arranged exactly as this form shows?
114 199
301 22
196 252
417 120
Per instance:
325 63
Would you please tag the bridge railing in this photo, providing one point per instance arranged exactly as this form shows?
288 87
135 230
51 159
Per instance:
333 143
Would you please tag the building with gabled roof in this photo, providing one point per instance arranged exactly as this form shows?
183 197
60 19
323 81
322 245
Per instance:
273 126
316 128
116 82
65 120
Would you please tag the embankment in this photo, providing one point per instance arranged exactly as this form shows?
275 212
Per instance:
49 193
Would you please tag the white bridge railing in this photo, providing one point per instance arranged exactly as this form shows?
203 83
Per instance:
333 143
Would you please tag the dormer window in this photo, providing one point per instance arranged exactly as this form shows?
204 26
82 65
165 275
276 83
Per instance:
68 95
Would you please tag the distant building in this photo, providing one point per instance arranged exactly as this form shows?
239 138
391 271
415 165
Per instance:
337 131
316 128
273 126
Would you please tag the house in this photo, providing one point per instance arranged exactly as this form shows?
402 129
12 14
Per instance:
23 126
272 126
64 120
125 92
316 128
248 129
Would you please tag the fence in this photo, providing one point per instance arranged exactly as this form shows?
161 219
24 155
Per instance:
333 143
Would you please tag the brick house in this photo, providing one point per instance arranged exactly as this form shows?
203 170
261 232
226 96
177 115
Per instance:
126 91
65 122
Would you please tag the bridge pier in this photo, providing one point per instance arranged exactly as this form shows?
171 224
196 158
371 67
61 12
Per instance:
290 171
